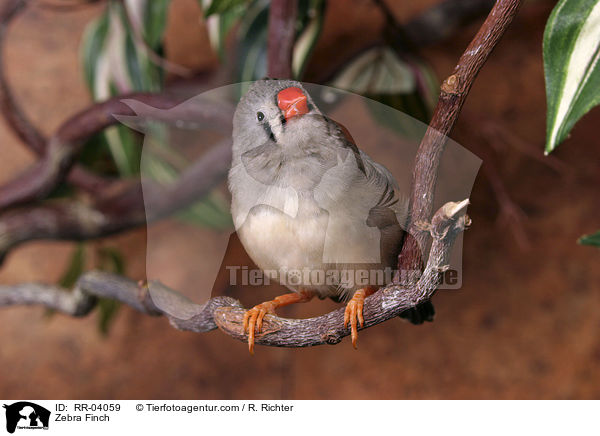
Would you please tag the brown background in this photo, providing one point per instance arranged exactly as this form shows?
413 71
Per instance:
525 324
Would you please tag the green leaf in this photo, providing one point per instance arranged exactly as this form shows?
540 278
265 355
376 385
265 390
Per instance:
252 38
571 67
116 61
219 27
75 268
211 212
155 22
380 74
252 42
111 260
312 16
107 310
93 42
377 70
593 239
221 6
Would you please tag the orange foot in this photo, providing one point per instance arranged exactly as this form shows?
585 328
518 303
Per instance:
354 311
253 318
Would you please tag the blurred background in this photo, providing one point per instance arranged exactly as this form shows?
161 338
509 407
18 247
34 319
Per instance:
524 325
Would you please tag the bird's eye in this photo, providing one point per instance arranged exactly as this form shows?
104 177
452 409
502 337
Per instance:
260 116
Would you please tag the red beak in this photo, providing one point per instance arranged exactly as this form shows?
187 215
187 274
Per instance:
292 102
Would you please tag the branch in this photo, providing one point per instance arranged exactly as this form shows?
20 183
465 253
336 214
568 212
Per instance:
44 176
227 313
280 42
82 299
119 209
453 94
16 118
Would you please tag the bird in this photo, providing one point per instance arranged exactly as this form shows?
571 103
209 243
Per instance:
310 207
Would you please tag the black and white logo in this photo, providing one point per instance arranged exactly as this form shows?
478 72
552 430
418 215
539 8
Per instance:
26 415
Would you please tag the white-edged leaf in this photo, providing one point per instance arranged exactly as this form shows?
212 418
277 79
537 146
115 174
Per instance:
571 67
307 39
252 37
92 45
376 71
252 42
407 85
117 60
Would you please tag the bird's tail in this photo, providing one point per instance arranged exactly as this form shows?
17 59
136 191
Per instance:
420 313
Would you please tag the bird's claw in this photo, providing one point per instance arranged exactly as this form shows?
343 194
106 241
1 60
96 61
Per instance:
253 321
354 314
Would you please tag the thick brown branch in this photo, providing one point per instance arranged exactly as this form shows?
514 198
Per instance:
40 179
13 114
120 209
82 299
18 121
453 94
282 32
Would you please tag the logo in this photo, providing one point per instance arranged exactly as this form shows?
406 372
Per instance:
26 415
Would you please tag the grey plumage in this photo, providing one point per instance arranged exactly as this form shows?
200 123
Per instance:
306 198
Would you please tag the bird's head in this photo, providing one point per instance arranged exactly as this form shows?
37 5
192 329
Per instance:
276 110
281 135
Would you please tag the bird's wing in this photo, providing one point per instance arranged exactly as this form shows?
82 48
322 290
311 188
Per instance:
378 177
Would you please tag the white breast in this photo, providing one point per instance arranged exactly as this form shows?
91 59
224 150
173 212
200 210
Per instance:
275 240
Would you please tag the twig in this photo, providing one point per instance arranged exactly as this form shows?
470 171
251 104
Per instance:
511 215
227 313
499 135
441 20
282 32
453 94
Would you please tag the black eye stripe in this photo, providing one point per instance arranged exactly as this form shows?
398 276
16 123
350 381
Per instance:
269 132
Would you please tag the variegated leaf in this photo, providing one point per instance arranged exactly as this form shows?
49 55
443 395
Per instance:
119 53
379 73
571 67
